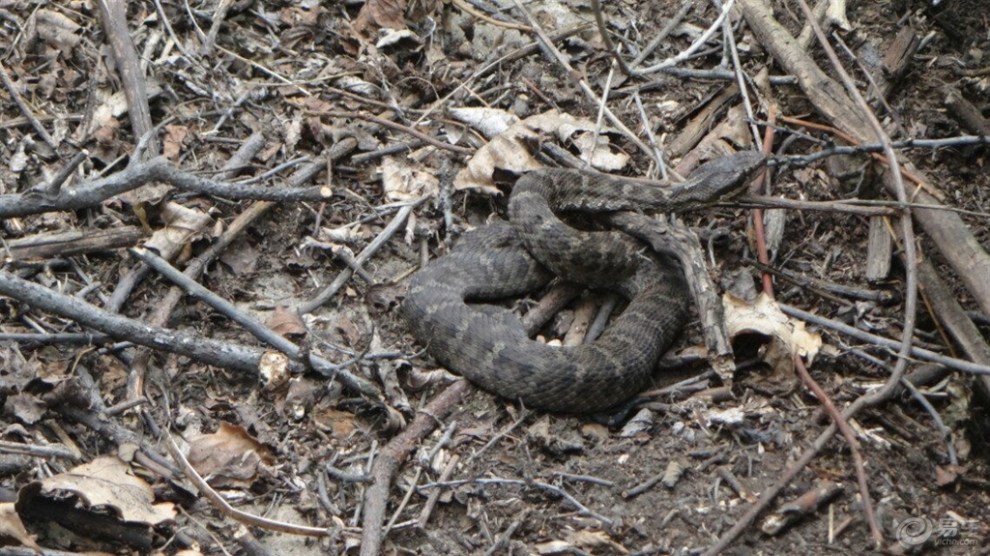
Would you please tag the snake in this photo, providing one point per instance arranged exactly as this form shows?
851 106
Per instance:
449 305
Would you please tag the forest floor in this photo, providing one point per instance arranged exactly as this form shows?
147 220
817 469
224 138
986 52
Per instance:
301 160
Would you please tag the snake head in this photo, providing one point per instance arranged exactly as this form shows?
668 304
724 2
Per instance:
718 180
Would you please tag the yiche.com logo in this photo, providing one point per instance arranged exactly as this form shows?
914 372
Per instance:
914 531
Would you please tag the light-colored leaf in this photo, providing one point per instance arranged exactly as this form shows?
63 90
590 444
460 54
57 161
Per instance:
107 481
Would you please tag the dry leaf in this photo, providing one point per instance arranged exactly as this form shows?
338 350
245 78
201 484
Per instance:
380 14
175 137
228 457
489 121
286 322
404 180
509 149
242 258
107 482
25 407
787 336
182 225
273 370
57 30
340 424
12 529
596 150
595 539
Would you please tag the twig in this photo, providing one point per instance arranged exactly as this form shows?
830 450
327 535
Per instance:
525 413
945 431
25 109
431 501
654 144
398 127
698 43
907 232
113 15
130 279
596 7
218 17
92 193
65 172
327 293
50 451
850 207
848 434
950 233
447 434
519 53
550 47
581 508
829 290
860 148
194 346
743 90
920 353
504 538
464 6
257 329
163 310
758 225
665 32
225 508
798 62
394 454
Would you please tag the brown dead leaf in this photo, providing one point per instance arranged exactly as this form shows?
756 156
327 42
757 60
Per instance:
507 151
583 540
947 474
348 330
286 322
380 14
595 431
182 225
228 457
787 336
510 151
340 424
175 137
489 121
105 132
112 373
12 530
241 258
348 233
273 369
56 30
107 482
595 539
25 407
554 547
405 180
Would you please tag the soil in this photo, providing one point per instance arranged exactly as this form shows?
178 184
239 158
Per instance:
508 480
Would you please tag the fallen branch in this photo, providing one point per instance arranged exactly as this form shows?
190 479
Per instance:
93 193
394 454
205 350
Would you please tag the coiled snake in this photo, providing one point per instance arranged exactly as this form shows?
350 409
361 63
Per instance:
487 344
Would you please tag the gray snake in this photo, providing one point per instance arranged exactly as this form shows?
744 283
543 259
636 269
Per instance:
487 344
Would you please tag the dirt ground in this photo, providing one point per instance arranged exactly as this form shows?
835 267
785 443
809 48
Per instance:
372 112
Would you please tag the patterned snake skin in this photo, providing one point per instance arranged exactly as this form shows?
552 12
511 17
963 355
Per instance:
488 345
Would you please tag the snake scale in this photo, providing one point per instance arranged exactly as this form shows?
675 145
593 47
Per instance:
487 344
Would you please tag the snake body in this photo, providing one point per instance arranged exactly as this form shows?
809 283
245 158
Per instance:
487 344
